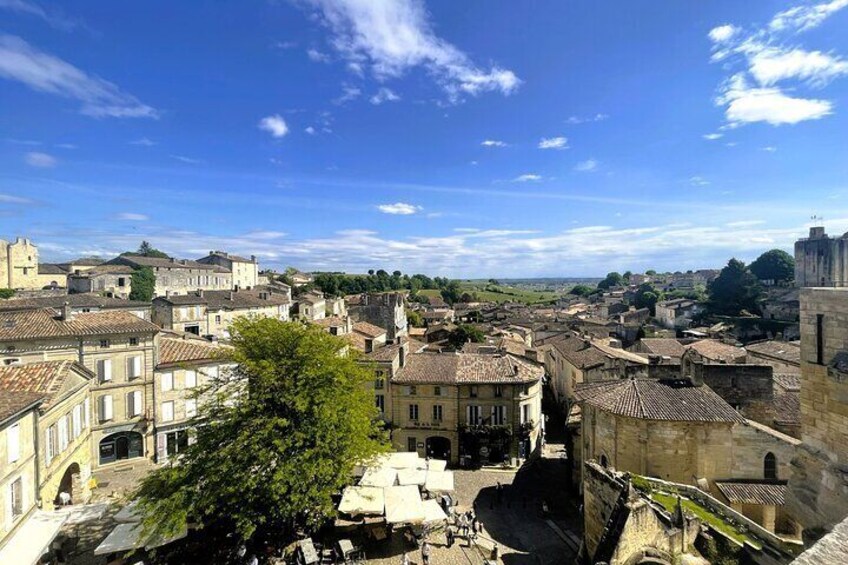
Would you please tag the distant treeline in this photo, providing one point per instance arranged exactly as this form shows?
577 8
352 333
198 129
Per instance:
340 284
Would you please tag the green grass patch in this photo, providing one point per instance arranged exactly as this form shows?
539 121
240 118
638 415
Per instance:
706 516
500 293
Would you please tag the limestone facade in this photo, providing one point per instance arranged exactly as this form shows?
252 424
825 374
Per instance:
245 271
19 265
17 462
821 260
179 276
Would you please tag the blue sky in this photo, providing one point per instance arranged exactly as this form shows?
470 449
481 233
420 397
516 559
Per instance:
459 139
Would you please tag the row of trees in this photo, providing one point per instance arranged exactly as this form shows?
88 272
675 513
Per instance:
340 284
738 288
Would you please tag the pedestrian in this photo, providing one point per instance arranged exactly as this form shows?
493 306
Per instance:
425 553
463 525
65 498
450 536
474 523
499 492
496 553
405 559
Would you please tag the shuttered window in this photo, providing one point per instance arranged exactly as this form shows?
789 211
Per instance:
167 382
105 407
191 407
13 442
134 367
167 411
190 378
134 404
104 370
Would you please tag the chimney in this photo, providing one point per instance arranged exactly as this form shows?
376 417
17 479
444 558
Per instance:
173 260
67 313
369 345
230 295
402 354
200 292
817 232
253 258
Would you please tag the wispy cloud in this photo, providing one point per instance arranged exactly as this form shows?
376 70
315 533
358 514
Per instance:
574 120
698 181
53 17
588 166
399 208
349 93
40 160
317 56
187 160
275 125
389 38
143 141
11 199
527 177
553 143
384 95
132 217
759 91
492 143
768 149
713 136
310 130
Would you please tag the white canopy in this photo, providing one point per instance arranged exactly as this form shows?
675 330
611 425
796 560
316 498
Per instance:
33 538
412 477
403 505
439 481
433 512
436 464
363 500
405 460
128 536
378 477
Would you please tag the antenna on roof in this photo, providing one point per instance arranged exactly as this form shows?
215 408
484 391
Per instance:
817 219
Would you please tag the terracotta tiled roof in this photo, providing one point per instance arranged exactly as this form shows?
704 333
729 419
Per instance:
369 330
175 351
665 346
331 322
12 403
467 368
162 263
717 351
753 492
386 353
652 399
45 323
82 300
787 408
788 381
104 270
782 350
45 378
227 299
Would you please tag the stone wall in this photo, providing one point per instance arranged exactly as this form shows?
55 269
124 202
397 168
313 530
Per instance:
386 310
748 388
821 261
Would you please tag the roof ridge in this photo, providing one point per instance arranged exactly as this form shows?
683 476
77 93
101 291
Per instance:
639 398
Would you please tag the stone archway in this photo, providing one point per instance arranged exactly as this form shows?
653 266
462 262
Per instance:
70 484
438 447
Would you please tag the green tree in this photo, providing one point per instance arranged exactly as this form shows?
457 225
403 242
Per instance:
626 276
650 272
7 293
581 290
451 293
415 319
647 297
281 435
147 250
776 265
734 290
494 282
612 279
465 334
142 284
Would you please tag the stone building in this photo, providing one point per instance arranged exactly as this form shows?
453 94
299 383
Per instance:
310 307
109 280
677 431
63 424
386 310
18 484
467 408
78 303
211 313
179 276
821 260
184 366
19 265
818 488
245 271
783 356
118 347
678 313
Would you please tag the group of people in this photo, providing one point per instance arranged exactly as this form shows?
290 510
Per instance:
468 526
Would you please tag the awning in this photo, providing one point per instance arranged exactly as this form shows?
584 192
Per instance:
405 460
436 464
412 477
403 505
378 477
128 536
128 514
433 512
439 481
362 500
33 538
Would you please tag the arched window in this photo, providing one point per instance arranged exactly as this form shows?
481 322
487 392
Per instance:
770 466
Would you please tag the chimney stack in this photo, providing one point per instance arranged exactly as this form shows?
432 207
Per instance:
67 313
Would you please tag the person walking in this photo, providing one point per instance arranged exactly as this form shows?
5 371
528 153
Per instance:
405 559
450 536
425 553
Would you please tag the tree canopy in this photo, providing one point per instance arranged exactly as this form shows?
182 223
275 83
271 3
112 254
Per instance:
581 290
142 284
734 290
415 319
280 435
647 297
776 265
341 284
465 334
147 250
7 293
612 279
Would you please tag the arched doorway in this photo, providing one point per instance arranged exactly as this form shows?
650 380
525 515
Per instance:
120 446
438 447
70 484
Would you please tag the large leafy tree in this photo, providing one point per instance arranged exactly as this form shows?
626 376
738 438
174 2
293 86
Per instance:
647 297
612 279
775 265
142 284
280 435
465 334
452 292
147 250
734 290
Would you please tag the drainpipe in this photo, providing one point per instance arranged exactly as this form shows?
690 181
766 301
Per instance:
37 437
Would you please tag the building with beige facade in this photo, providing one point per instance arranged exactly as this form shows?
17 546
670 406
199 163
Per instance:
109 280
18 464
63 423
211 313
118 347
19 265
467 408
245 271
184 367
78 303
179 276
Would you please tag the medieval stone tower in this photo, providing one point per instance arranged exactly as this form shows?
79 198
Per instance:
821 260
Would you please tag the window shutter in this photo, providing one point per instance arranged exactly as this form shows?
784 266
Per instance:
495 415
190 378
468 415
105 369
167 381
87 410
48 445
13 447
77 416
136 363
63 434
160 447
106 408
191 408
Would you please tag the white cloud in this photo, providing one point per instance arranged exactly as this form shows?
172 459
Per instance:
143 141
275 125
723 33
393 36
769 149
348 93
317 56
40 71
66 146
746 104
187 160
586 119
40 160
803 18
698 181
310 130
713 136
132 217
11 199
399 208
553 143
492 143
53 17
588 166
527 177
771 65
384 95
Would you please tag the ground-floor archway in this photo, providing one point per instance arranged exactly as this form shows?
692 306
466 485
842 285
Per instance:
438 447
70 488
120 446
